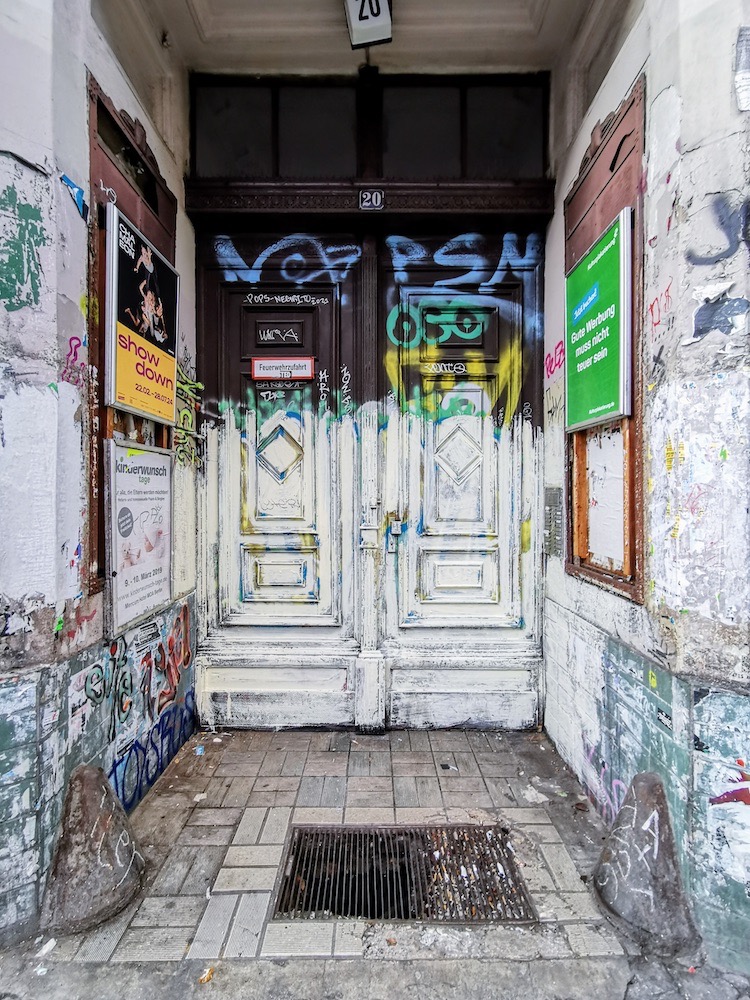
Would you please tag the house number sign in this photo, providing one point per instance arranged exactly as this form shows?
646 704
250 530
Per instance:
371 199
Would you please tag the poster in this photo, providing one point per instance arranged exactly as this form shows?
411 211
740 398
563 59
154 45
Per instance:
142 312
597 330
140 531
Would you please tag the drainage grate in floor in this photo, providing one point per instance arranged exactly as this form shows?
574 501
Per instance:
448 874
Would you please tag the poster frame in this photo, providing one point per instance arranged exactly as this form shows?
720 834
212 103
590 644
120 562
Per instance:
625 314
111 310
114 625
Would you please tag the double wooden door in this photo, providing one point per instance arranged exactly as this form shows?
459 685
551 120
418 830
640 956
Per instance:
377 492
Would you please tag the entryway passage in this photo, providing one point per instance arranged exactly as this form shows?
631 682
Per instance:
376 491
215 826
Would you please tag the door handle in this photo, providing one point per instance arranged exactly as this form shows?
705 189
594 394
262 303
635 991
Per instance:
394 530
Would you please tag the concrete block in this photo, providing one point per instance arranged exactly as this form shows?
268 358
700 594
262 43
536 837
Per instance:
247 926
275 827
347 942
298 938
638 877
152 944
592 942
245 879
213 927
97 866
564 872
214 817
169 911
253 857
250 826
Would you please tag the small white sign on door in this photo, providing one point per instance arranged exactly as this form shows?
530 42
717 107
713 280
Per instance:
283 368
369 22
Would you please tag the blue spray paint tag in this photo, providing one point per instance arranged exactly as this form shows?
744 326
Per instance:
76 193
199 751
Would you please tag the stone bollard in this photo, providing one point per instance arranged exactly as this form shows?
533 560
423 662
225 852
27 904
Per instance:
637 875
97 866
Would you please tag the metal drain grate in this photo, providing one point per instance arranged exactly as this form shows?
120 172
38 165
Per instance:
434 873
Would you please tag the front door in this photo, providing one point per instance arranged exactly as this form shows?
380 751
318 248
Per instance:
375 480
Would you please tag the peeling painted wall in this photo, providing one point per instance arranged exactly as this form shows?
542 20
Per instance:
126 706
69 693
665 686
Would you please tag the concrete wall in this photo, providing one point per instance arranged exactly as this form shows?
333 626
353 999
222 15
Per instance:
68 692
664 687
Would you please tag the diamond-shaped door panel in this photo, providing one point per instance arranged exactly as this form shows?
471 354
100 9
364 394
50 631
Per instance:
458 455
279 454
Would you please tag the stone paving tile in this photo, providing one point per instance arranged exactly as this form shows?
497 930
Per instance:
275 827
320 742
445 762
567 907
477 740
325 763
203 871
592 942
214 817
419 739
428 792
250 826
564 872
276 783
341 742
169 911
416 757
347 941
380 764
497 765
257 855
174 871
360 742
233 756
455 784
294 764
247 925
334 792
158 825
310 791
273 762
473 816
500 793
370 800
213 927
152 944
259 800
449 739
360 784
298 938
368 817
467 800
400 742
358 765
237 793
205 836
466 764
420 817
245 879
240 769
407 769
313 817
405 791
99 944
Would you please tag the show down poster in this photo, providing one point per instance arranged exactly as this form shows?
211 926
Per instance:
140 531
142 311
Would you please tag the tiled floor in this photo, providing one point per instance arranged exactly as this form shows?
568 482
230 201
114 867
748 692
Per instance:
214 825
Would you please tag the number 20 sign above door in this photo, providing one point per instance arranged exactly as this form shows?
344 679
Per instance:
369 22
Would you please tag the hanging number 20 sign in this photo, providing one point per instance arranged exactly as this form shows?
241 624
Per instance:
369 22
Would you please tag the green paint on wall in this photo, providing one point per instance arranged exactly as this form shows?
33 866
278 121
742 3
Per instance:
21 237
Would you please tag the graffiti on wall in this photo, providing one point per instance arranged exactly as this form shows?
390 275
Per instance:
187 440
22 234
132 707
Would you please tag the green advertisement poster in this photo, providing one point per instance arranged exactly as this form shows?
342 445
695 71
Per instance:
597 330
